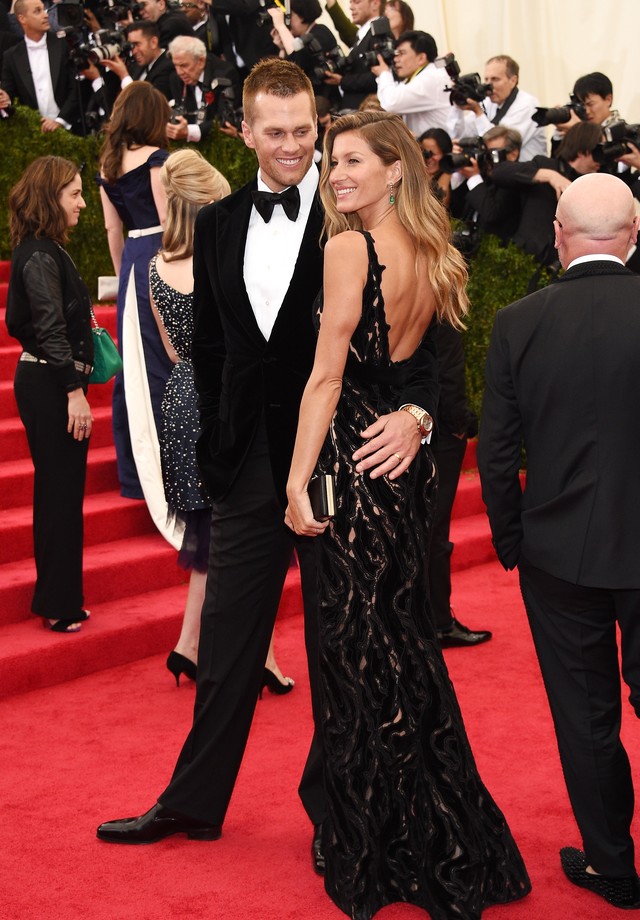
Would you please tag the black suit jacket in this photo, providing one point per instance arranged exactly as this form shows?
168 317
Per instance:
18 82
239 375
159 75
251 41
358 82
184 96
562 377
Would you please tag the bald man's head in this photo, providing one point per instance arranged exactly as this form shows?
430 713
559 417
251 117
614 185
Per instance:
596 214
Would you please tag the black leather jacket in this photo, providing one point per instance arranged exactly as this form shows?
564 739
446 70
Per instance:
49 309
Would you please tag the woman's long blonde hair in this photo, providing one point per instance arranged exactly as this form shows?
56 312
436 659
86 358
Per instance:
421 214
189 182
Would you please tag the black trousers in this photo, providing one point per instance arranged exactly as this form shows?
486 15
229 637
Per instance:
60 466
574 631
251 549
449 455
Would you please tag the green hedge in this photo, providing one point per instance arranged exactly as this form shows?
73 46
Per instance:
498 275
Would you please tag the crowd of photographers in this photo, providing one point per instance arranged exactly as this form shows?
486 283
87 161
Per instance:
486 143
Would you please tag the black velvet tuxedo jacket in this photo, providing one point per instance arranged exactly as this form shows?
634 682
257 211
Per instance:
18 81
160 74
239 375
563 377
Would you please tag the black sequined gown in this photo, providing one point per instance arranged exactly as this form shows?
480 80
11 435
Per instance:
408 818
186 496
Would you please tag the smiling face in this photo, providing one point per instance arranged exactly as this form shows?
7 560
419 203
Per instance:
359 178
283 133
144 48
71 201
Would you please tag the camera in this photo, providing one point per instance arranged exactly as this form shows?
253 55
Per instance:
467 239
332 61
472 148
616 138
559 114
228 112
382 43
465 86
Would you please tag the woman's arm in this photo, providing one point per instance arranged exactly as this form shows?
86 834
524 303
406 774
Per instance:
345 275
113 226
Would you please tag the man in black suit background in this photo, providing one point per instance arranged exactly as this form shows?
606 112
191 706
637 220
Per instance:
562 378
170 22
257 269
150 61
358 82
36 71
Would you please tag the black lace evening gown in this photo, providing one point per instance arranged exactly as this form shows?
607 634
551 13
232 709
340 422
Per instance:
408 818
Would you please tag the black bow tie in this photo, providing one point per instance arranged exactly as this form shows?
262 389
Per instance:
265 202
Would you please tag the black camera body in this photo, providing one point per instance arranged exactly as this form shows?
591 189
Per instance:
382 43
472 148
559 114
332 61
466 85
616 138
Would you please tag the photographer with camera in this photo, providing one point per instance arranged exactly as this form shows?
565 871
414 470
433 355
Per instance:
354 77
171 22
198 89
420 96
507 104
478 201
36 71
591 100
305 42
542 181
150 62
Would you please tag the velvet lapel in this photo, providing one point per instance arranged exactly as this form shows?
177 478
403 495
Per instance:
232 226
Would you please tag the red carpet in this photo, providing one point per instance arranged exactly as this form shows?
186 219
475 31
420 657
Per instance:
75 752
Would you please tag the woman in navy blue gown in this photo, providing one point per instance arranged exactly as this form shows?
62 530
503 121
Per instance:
132 198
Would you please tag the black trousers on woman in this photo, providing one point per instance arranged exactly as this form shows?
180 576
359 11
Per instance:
60 465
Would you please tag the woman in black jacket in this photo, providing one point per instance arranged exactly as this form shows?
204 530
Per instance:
49 312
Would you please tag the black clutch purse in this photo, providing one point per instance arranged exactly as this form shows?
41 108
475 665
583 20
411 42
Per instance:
322 495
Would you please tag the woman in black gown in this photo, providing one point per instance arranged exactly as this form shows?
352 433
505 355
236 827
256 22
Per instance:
408 818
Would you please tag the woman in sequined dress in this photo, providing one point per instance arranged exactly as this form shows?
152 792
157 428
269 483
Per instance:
189 183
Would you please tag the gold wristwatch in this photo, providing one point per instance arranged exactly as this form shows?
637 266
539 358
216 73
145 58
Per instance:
422 417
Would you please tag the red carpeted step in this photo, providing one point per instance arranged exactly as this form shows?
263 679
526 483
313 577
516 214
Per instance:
468 498
16 477
471 537
107 517
120 631
5 269
13 441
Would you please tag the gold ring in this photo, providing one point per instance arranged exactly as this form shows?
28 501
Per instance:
399 457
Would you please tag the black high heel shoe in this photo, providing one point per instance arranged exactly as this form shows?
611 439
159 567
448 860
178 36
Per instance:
270 680
178 665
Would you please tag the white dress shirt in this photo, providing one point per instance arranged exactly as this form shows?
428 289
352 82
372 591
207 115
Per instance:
271 253
422 101
38 54
534 139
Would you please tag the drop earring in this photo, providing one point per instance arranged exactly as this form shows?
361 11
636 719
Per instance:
392 197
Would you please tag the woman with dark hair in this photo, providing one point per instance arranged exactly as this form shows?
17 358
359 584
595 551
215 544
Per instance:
133 153
436 144
407 815
293 43
49 312
400 16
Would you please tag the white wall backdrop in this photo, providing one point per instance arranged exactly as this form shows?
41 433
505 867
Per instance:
554 41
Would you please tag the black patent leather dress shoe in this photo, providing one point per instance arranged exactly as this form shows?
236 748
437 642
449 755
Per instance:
159 822
621 892
459 636
317 853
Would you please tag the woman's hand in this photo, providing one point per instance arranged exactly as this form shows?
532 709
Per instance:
80 418
299 516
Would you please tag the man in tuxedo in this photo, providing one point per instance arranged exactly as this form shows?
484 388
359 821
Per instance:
36 71
562 379
196 88
257 269
358 81
151 62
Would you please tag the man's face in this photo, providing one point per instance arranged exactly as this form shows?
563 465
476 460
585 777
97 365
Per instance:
283 134
193 10
364 10
495 73
406 61
499 143
34 20
188 67
143 48
152 9
598 108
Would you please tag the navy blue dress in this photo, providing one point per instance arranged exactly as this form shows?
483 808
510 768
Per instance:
132 198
